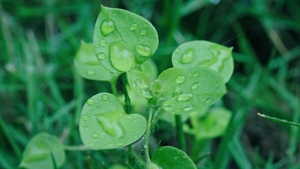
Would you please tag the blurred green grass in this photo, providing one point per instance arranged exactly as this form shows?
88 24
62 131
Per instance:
40 90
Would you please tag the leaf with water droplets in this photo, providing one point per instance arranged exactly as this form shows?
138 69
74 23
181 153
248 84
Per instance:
171 157
201 88
37 153
105 125
140 83
88 66
124 42
204 53
214 124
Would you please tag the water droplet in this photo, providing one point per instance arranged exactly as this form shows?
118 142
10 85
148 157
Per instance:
133 27
157 86
104 97
91 144
196 74
138 82
180 79
185 97
91 72
146 94
119 144
121 57
90 101
145 26
102 42
143 50
187 56
107 27
101 56
143 32
195 85
95 135
188 108
177 50
85 118
167 107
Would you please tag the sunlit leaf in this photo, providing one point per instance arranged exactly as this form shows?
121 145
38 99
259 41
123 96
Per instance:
204 53
172 158
88 66
105 125
139 83
124 38
38 151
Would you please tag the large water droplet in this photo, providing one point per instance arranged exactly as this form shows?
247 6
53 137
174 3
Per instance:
120 56
157 86
107 27
90 101
195 85
143 32
187 56
185 97
101 56
138 82
102 42
143 50
133 27
180 79
104 97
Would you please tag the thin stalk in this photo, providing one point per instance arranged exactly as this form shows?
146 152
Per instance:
149 122
113 85
180 133
76 148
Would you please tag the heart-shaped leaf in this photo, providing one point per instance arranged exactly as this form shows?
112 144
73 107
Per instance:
195 88
88 66
105 125
139 83
214 124
204 53
38 151
172 158
149 69
124 38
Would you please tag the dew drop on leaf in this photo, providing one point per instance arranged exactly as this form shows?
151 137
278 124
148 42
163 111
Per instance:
101 56
95 136
107 27
104 97
102 42
91 144
187 56
196 74
143 32
180 79
157 86
146 94
90 101
185 97
177 89
195 85
188 108
120 56
167 107
91 72
143 50
133 27
85 118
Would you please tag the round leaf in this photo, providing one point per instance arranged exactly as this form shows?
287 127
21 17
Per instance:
124 38
105 125
88 66
38 151
195 88
139 83
204 53
149 69
172 158
214 124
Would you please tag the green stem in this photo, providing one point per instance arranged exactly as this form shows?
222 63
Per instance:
76 148
149 122
113 84
279 120
180 133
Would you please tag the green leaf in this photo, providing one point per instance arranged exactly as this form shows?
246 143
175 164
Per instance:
212 125
164 85
204 53
172 158
139 83
105 125
37 153
195 88
124 38
88 66
149 69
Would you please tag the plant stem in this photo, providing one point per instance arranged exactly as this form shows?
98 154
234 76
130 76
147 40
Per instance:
180 134
149 122
113 85
76 148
